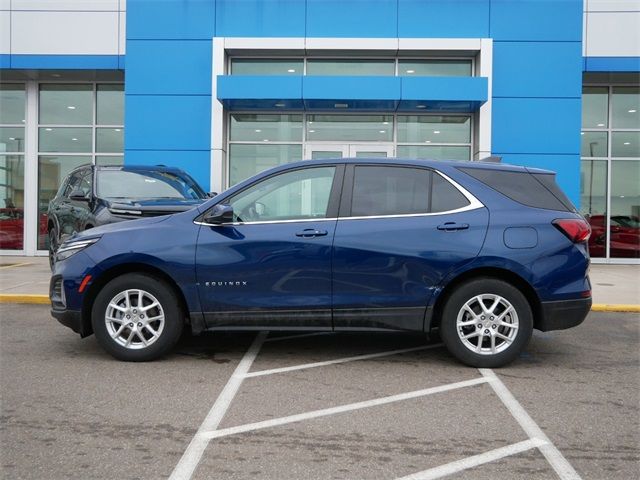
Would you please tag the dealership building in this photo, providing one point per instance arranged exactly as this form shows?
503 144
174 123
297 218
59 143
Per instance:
227 88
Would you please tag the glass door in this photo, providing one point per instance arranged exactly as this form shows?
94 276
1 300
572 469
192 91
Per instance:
317 151
371 151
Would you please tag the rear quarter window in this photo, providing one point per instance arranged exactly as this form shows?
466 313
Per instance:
524 187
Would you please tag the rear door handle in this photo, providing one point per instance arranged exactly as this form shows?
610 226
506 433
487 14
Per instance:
452 226
311 232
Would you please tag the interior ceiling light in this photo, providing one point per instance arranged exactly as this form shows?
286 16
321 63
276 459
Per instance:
48 129
581 133
55 75
265 140
258 130
291 70
383 131
421 106
74 139
601 124
71 107
312 131
117 129
279 104
633 110
11 138
341 105
427 141
411 71
627 143
436 131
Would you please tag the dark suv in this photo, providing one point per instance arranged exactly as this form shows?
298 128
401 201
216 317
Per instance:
92 195
484 252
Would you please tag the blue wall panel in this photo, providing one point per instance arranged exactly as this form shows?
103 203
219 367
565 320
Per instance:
256 18
553 20
172 19
536 125
74 62
537 69
352 18
195 163
169 67
168 122
612 64
567 168
443 18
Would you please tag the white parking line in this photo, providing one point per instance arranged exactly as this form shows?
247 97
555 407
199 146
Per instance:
302 335
260 373
476 460
341 409
192 455
557 461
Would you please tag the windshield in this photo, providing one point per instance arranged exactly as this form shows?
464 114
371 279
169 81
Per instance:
146 184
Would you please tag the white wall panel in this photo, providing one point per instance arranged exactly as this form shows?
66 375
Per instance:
88 33
613 34
123 5
5 4
122 33
612 6
5 32
73 5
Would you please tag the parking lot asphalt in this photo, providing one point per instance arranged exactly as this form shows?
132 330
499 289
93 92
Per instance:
567 408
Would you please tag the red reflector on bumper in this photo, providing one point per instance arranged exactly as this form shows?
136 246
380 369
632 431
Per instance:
84 283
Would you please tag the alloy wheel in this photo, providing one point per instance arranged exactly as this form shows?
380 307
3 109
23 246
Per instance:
134 319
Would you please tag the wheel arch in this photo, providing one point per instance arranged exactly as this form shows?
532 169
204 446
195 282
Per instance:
487 272
118 270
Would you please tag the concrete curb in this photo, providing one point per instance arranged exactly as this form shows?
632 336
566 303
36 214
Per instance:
44 300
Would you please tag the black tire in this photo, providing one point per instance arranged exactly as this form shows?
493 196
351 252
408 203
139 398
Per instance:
53 246
168 304
491 287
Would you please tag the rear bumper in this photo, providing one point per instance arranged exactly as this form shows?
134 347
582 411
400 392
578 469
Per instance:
563 314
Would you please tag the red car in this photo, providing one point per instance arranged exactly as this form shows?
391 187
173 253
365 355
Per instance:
624 233
12 228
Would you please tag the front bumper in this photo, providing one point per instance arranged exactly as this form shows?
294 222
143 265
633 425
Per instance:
563 314
67 317
71 319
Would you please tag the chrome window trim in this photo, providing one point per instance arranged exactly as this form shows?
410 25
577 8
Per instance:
474 204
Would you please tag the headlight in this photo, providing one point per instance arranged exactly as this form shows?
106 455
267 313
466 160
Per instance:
70 248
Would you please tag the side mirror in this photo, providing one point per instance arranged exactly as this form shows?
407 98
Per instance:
78 196
219 214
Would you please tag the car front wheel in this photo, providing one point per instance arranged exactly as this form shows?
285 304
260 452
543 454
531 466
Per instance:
137 318
486 323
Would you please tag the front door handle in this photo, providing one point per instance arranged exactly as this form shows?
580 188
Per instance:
311 232
453 226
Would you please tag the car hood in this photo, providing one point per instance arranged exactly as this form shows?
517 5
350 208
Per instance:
132 226
153 204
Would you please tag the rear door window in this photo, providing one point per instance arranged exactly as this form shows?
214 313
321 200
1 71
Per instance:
444 196
383 190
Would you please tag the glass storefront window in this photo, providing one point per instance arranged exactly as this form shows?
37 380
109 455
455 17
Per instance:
434 152
12 100
265 128
11 202
110 104
246 160
625 144
351 67
52 170
256 66
11 139
593 144
109 140
434 129
338 128
434 68
625 209
593 203
61 139
70 104
625 107
595 101
109 160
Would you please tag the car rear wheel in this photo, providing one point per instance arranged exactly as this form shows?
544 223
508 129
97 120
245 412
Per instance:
53 246
137 318
486 323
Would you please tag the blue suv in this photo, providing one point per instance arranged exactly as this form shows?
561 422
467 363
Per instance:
482 252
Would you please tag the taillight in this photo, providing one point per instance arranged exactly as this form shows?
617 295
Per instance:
576 230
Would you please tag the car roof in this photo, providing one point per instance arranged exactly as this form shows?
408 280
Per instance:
130 168
435 164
